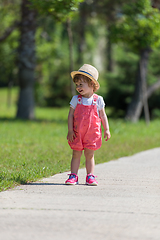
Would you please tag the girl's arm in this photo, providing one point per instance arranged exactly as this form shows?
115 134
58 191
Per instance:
71 134
105 124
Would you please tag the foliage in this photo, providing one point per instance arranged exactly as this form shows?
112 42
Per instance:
52 72
57 88
59 9
138 25
9 12
8 57
121 82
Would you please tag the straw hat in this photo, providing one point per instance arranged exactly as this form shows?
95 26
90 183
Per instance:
88 71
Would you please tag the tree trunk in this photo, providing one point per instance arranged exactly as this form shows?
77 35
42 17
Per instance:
81 32
139 98
153 88
143 72
109 51
70 39
26 62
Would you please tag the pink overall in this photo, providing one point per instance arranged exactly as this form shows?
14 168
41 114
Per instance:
87 126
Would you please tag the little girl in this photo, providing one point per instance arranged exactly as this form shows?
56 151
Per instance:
84 123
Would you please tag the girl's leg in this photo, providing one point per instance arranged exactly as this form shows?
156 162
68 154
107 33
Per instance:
89 155
90 178
76 156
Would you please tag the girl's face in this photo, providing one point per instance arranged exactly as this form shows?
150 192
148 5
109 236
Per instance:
84 89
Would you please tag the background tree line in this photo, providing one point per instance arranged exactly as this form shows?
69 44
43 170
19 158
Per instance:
42 41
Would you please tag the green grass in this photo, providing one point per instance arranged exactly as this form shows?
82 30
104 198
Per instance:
31 150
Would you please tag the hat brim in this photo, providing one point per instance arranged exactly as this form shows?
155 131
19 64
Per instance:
87 75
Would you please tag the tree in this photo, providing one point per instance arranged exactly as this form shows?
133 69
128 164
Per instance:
84 12
26 62
139 28
60 10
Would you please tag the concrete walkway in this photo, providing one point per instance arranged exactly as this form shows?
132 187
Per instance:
125 205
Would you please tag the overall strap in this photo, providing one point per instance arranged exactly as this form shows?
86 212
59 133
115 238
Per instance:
95 98
79 99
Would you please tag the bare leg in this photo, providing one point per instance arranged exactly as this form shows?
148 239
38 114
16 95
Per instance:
76 156
89 155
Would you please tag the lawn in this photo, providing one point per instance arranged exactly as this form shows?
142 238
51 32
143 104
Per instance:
31 150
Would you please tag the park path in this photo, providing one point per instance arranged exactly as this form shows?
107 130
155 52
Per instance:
125 205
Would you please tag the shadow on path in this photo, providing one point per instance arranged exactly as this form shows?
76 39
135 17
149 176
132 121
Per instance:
40 184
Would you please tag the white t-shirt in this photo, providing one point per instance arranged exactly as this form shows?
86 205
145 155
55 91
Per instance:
88 101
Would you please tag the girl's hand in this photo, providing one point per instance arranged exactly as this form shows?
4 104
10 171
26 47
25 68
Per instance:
71 136
107 135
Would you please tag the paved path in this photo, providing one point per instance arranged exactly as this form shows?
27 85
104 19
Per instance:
125 205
